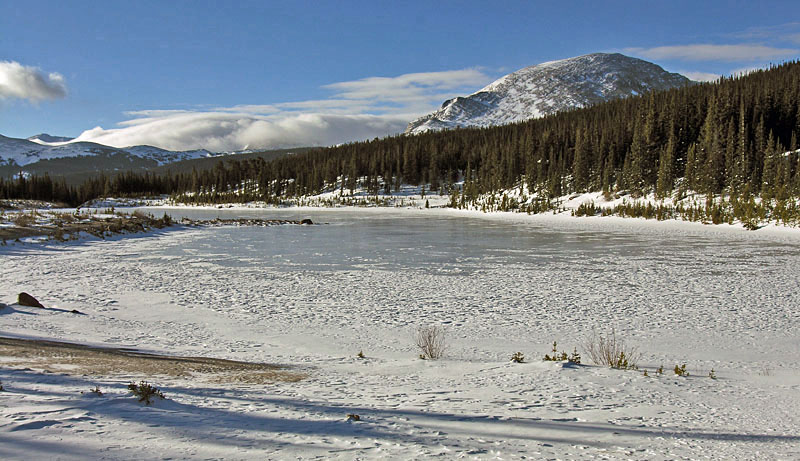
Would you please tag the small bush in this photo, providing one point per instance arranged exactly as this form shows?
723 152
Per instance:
353 417
518 357
712 375
681 370
431 341
609 350
145 392
1 386
360 354
96 391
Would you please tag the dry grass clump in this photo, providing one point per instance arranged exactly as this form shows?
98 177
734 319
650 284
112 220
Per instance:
611 351
59 219
24 219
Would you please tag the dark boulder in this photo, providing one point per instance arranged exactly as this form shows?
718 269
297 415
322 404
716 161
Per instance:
306 221
24 299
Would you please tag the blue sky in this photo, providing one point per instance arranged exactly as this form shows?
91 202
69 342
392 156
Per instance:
229 75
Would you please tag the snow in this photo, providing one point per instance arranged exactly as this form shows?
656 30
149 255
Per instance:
312 297
548 88
26 151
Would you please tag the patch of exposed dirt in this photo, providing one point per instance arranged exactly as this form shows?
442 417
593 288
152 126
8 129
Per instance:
77 359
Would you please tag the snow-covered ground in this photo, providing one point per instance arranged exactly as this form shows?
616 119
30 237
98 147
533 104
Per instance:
312 297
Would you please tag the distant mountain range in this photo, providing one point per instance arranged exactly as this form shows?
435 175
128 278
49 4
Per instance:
59 155
22 152
76 161
548 88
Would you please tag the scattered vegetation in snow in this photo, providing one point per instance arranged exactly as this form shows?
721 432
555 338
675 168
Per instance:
562 356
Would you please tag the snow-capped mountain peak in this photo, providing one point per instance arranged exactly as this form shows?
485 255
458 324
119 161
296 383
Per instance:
48 140
550 87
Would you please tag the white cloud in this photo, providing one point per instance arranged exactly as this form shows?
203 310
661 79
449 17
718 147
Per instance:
25 82
700 76
794 38
781 32
358 110
408 87
225 131
707 52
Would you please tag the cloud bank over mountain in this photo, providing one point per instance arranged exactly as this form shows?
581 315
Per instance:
230 131
357 110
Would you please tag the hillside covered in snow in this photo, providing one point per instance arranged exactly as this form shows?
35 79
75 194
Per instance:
550 87
21 152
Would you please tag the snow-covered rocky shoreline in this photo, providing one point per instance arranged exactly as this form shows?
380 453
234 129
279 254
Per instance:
487 207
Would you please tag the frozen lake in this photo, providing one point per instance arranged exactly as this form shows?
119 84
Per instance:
518 280
363 280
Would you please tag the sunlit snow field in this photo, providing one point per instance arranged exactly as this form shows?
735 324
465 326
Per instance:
312 297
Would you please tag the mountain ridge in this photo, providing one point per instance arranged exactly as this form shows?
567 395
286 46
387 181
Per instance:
21 152
549 87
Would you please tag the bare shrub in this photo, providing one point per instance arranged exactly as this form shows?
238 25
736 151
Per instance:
609 350
431 341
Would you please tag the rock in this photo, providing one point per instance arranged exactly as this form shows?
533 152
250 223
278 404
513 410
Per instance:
24 299
306 221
